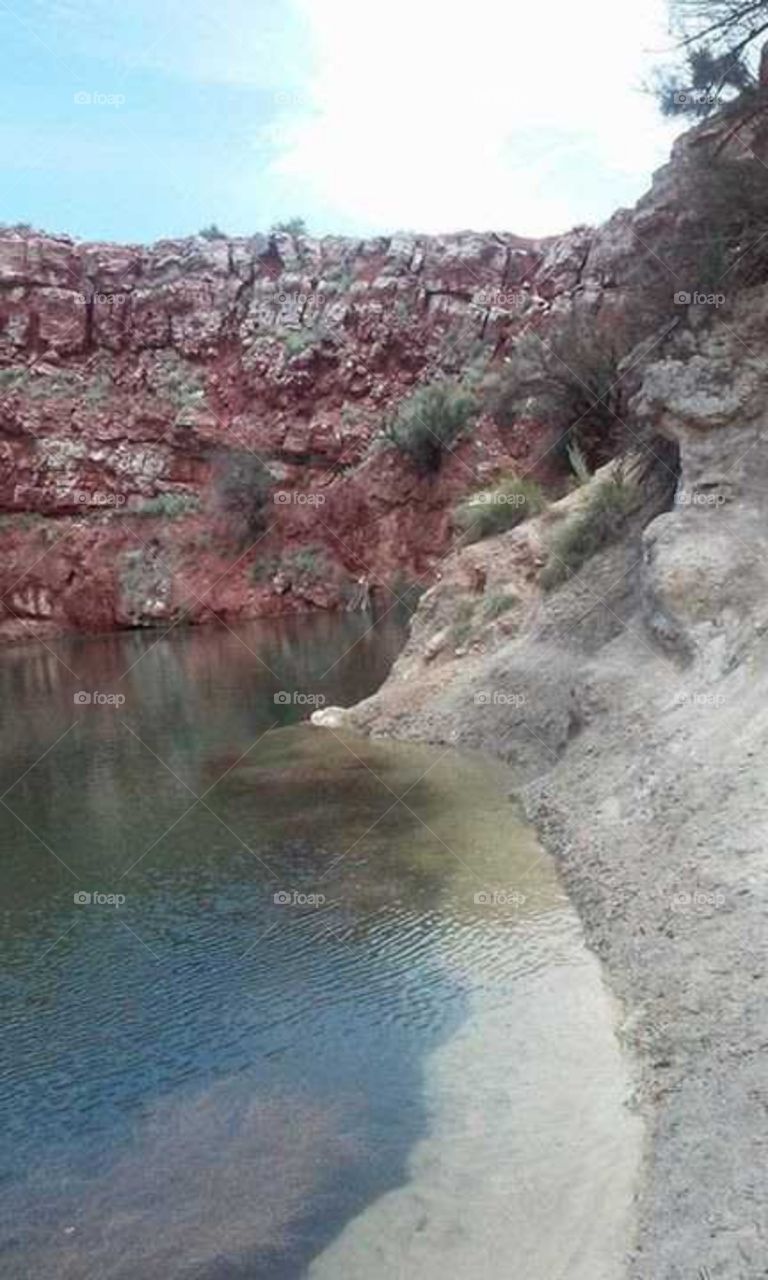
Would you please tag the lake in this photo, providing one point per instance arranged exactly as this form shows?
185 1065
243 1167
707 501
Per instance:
279 1001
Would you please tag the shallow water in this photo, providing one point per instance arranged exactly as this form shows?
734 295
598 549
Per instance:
343 1022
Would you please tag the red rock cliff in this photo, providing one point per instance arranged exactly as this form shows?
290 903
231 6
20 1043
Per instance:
126 372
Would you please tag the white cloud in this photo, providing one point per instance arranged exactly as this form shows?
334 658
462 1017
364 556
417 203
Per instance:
523 117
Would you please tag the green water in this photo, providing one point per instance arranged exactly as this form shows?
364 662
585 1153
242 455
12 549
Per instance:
241 956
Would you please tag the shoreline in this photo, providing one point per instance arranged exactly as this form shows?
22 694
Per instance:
644 785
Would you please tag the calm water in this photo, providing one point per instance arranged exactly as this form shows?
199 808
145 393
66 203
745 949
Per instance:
284 1037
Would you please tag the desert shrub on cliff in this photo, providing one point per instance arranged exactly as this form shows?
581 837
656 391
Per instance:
495 605
307 564
569 381
212 232
289 227
170 505
602 521
243 486
496 510
728 250
430 422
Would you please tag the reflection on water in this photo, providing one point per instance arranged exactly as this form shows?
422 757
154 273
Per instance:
214 1077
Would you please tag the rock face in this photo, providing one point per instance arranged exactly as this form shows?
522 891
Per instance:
127 374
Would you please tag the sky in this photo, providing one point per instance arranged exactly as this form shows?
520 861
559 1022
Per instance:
133 120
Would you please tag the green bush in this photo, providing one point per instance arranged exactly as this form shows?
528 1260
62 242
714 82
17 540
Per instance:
570 381
495 605
430 421
308 563
495 510
726 250
461 627
299 340
289 227
171 505
243 486
407 592
582 535
212 232
172 378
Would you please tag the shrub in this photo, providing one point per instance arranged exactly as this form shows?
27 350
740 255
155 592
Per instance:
171 505
310 563
243 484
497 604
569 380
407 591
212 232
289 227
174 379
299 340
461 627
602 521
579 464
495 510
430 421
727 250
40 383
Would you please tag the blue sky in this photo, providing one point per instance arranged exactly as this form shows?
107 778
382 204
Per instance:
137 120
